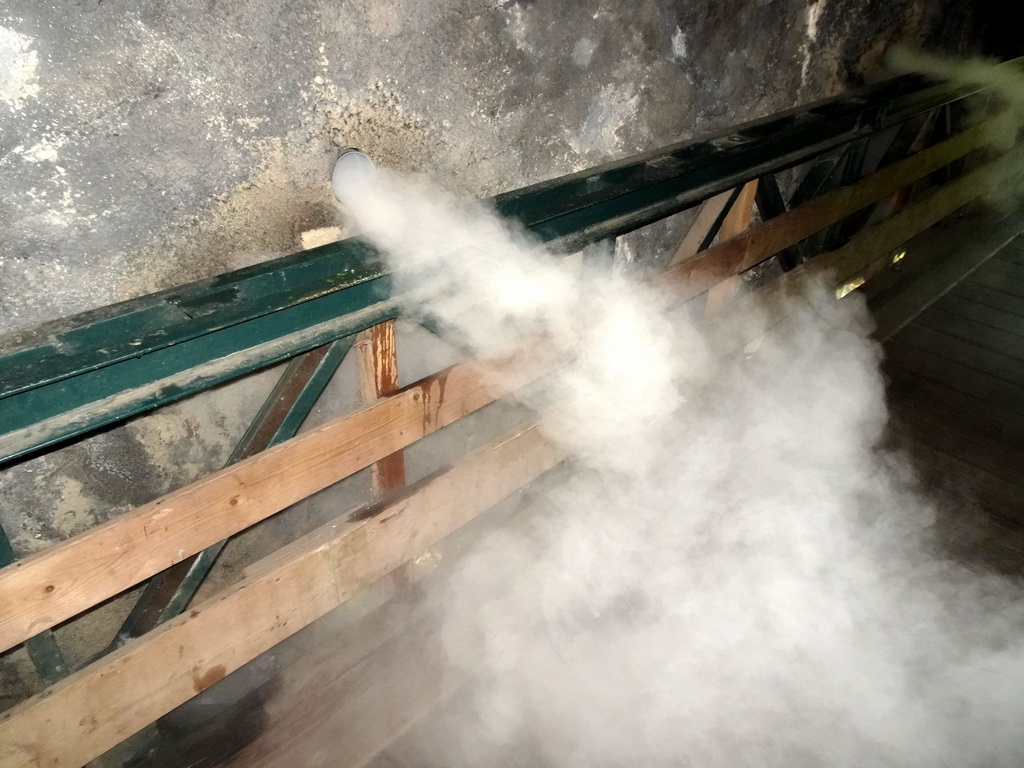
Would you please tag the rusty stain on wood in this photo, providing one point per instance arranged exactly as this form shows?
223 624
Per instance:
200 682
377 358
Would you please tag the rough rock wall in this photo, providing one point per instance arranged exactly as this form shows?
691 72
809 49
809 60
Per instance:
147 144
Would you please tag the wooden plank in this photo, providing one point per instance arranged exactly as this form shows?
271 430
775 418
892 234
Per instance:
981 334
1002 395
1012 273
736 222
346 721
993 494
954 434
990 421
1003 302
693 277
997 364
707 215
965 310
94 709
53 585
377 362
1001 276
1013 253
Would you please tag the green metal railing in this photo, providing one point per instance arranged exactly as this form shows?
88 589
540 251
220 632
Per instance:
68 378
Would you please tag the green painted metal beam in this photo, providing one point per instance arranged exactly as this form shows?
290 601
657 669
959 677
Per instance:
48 413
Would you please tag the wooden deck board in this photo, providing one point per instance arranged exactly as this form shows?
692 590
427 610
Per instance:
956 389
1000 363
1013 253
969 315
1009 305
1004 395
1001 276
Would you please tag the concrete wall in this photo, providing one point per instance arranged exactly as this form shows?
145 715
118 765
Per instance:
146 144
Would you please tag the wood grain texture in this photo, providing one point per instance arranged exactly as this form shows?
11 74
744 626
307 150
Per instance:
347 721
1013 253
1003 303
81 717
737 221
973 314
377 362
1001 362
990 419
1001 276
46 588
957 394
706 217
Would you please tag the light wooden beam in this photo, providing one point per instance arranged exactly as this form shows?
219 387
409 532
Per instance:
96 708
736 223
707 215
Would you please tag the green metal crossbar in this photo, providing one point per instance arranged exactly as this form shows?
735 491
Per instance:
289 403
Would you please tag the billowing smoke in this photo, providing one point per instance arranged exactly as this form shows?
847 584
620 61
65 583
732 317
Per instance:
1001 104
734 572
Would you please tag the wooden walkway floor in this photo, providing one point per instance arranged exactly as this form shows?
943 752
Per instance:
957 400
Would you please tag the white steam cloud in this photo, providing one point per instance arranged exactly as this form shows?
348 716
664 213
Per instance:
734 573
